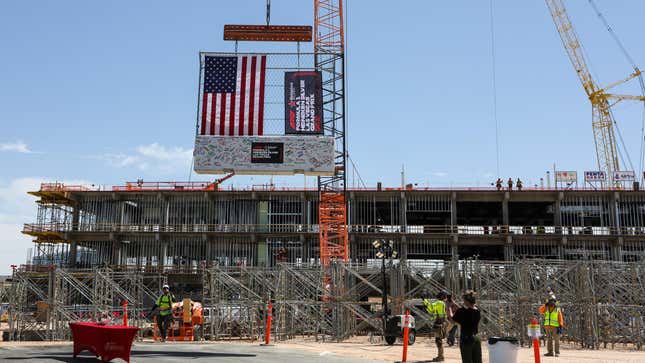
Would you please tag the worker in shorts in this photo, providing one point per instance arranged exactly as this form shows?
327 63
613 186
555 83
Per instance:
437 310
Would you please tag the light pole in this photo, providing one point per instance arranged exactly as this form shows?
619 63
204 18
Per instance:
385 250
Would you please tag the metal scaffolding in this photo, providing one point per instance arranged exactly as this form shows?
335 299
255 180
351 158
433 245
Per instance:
603 302
42 302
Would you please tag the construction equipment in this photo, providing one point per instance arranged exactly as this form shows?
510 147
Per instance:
187 319
602 120
215 185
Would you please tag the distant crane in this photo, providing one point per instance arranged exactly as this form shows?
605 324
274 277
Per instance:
602 117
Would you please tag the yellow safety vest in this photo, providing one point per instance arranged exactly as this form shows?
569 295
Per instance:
436 308
165 301
551 317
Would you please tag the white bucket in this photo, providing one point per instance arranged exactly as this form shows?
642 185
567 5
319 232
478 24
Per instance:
503 350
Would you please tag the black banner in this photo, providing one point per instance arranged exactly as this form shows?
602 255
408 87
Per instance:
267 152
303 103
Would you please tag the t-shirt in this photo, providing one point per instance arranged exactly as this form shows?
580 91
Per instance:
468 319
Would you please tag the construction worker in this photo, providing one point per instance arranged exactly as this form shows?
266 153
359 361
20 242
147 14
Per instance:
510 184
451 308
437 310
164 305
519 184
606 326
553 325
498 184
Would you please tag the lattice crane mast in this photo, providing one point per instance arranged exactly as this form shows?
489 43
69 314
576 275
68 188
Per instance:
602 118
329 50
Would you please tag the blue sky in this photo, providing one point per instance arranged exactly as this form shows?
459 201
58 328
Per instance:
105 92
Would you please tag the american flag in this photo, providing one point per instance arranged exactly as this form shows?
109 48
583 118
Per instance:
233 95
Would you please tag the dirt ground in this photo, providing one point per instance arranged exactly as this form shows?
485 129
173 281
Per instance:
422 350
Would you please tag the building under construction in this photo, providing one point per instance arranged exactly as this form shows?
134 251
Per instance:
234 250
183 227
310 252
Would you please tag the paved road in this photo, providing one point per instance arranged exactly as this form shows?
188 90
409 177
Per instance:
178 352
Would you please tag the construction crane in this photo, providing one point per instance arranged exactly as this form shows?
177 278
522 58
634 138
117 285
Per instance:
329 51
602 117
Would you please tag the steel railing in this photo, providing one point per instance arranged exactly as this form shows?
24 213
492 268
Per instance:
207 185
485 230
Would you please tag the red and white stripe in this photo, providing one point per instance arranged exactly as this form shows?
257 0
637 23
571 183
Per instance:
242 112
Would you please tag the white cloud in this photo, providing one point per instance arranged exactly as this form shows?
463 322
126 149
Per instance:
120 160
439 174
16 208
160 152
17 146
13 246
154 157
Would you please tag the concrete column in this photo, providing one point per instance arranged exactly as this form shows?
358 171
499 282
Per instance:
116 253
262 252
403 249
561 247
75 217
122 213
163 253
557 215
505 218
453 209
509 251
617 249
209 248
614 205
454 248
304 211
306 248
166 217
403 211
71 257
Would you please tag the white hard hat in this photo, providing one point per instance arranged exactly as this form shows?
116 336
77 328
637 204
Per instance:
165 286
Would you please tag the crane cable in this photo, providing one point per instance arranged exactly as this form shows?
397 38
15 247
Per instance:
640 81
360 179
492 46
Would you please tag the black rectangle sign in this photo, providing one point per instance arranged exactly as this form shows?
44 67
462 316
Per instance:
303 103
267 152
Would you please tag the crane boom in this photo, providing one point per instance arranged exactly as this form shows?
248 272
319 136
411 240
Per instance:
571 44
602 118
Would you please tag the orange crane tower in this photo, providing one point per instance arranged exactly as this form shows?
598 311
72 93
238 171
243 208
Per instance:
329 49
